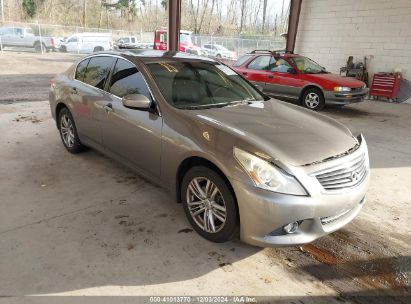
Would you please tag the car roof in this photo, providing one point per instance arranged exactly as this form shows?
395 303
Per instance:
146 56
274 53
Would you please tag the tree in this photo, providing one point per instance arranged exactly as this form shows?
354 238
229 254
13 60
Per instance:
164 4
29 8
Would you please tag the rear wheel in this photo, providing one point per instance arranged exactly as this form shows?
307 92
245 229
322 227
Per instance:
209 204
68 132
38 47
313 99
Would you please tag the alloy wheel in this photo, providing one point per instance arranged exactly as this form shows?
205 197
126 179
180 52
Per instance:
312 100
206 205
67 130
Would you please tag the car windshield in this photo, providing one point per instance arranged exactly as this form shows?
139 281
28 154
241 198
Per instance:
197 85
308 66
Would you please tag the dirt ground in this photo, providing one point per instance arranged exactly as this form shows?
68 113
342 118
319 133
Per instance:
85 225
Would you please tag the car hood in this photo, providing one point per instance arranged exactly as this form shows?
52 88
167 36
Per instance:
291 134
336 80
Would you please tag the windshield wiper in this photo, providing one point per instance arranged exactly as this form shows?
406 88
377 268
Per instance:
239 102
218 105
206 106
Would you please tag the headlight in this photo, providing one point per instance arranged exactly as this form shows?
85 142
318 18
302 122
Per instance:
342 89
267 176
364 86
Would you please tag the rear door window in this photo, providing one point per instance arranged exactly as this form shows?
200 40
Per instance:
81 69
260 63
97 71
126 80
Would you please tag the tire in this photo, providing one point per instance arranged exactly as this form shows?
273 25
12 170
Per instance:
63 49
218 56
313 99
226 223
37 47
69 138
98 49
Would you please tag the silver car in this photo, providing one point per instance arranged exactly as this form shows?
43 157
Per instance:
239 162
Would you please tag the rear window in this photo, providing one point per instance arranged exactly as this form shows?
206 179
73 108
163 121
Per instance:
81 69
97 71
241 60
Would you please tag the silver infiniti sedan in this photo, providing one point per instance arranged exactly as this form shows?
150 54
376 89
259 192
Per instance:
239 162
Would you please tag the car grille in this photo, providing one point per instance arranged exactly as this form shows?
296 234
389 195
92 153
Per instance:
347 175
356 90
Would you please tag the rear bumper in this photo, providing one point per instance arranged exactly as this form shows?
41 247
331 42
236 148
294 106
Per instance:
343 98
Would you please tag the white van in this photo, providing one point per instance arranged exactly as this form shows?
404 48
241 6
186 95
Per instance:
88 42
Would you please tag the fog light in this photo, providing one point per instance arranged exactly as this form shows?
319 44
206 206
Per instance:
291 227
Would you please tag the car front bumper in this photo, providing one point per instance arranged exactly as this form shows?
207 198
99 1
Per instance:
343 98
263 214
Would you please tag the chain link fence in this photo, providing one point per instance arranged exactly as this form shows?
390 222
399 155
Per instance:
242 45
54 37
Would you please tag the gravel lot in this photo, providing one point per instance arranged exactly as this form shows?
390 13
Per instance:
85 225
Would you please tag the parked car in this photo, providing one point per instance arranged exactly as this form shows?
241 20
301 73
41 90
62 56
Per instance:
218 51
186 42
292 76
129 42
24 37
236 159
88 42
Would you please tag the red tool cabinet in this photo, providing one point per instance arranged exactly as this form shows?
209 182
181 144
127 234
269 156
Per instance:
386 85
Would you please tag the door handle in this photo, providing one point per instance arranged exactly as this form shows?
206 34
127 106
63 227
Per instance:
74 90
244 73
270 76
108 107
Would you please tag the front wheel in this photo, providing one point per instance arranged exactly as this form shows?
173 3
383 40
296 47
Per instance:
209 204
313 99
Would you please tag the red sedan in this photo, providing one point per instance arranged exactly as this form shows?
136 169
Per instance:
292 76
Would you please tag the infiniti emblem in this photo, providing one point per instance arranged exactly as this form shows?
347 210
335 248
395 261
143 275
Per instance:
355 176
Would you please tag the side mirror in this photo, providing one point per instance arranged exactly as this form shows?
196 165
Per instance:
136 101
291 71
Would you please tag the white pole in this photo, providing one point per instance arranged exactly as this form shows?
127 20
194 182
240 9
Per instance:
41 40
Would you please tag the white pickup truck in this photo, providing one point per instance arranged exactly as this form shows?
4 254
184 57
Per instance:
24 37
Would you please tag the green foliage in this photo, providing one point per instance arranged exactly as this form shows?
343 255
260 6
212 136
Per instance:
29 7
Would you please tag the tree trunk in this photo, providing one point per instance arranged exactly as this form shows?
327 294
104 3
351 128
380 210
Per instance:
84 13
264 16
